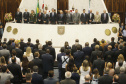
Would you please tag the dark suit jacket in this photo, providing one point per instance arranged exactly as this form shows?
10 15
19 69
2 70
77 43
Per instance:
38 62
50 81
87 51
74 48
93 45
112 44
18 17
1 47
90 18
59 18
87 83
122 78
10 48
47 61
108 53
106 79
75 77
52 52
45 18
99 64
104 20
67 81
26 16
69 19
53 19
15 69
37 79
19 53
83 18
44 47
22 45
78 58
59 59
39 17
1 24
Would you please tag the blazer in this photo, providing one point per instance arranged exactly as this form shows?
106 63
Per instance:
106 79
26 16
19 53
22 45
18 17
78 58
76 18
45 17
109 53
53 19
97 18
104 20
37 79
39 17
50 81
59 18
44 47
75 77
69 18
90 18
47 61
83 18
67 81
122 78
32 18
87 51
74 48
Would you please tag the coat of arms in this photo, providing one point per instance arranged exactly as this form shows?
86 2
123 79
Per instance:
61 30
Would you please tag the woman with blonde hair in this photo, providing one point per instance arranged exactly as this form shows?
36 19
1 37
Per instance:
120 57
109 65
84 70
29 54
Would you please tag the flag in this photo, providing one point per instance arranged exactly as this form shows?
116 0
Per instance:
37 9
43 6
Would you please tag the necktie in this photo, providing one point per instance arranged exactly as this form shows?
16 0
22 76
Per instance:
84 14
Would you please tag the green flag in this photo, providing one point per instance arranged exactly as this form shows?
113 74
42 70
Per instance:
37 9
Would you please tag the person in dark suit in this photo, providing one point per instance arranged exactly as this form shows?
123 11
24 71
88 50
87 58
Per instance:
104 17
51 80
18 16
87 79
106 79
36 78
112 43
78 57
61 18
122 26
15 69
26 16
59 56
99 64
45 46
22 44
9 46
38 62
47 61
95 53
90 17
39 17
28 78
18 51
87 50
5 41
122 76
75 76
74 47
53 17
45 18
115 47
84 17
115 79
52 50
93 44
68 17
1 46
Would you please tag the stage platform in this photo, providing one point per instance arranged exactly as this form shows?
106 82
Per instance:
85 33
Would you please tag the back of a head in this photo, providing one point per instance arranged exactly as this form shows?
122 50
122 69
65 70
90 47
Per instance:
49 43
87 78
106 70
40 46
109 65
4 46
86 44
109 47
36 54
14 53
37 41
5 39
62 49
77 40
47 51
51 73
120 46
28 77
121 57
95 71
95 40
35 68
68 74
85 65
67 52
21 39
16 44
103 41
4 69
13 59
96 46
122 70
75 69
112 39
29 39
2 60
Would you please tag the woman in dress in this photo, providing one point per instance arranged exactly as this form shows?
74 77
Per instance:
29 54
120 34
32 18
84 70
95 76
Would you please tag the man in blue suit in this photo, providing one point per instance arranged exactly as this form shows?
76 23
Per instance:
78 57
36 78
60 61
47 63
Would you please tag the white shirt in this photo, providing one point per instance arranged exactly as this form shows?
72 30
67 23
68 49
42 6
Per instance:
73 11
30 58
64 62
90 15
17 60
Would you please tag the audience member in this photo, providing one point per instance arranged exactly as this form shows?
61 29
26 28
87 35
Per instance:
28 78
87 79
122 76
95 76
115 79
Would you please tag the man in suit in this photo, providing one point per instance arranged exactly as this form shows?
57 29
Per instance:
95 53
68 79
45 18
97 18
5 75
28 78
5 41
87 79
18 16
9 46
36 78
122 26
93 44
76 17
38 62
53 17
52 50
51 80
84 18
59 56
87 50
99 64
90 17
5 53
22 44
74 47
112 43
61 18
68 17
39 17
45 46
106 79
122 76
115 79
104 17
26 16
78 57
47 61
15 69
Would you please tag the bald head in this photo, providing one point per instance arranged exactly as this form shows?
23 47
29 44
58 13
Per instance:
87 78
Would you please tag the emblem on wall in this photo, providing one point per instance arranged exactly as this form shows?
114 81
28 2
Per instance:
15 31
9 28
61 30
107 32
114 29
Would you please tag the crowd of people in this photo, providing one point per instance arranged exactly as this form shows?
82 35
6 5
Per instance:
61 17
28 63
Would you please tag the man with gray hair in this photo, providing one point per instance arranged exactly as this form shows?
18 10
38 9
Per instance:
122 76
68 79
87 79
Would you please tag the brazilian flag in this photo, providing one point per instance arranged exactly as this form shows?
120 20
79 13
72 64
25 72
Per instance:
37 9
